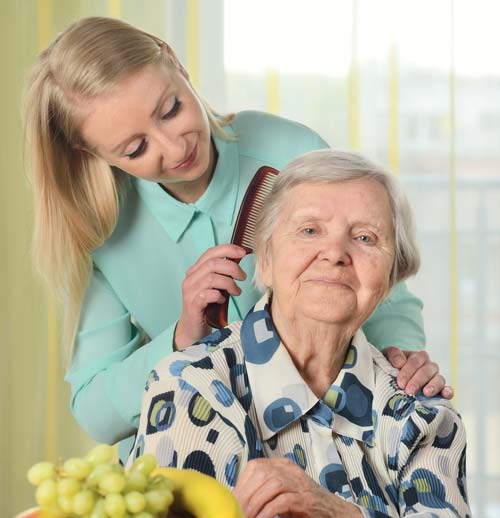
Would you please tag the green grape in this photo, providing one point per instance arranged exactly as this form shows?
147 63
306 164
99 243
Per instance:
97 473
65 502
68 486
100 454
99 510
136 481
158 500
46 493
112 483
144 514
135 502
83 502
115 505
159 481
41 471
117 468
145 463
77 468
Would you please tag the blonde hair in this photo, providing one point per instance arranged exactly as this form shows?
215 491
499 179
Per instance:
76 194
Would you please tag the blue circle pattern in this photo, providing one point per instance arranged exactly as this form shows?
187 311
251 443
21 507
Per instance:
399 406
425 488
281 413
153 376
334 478
161 413
351 357
335 398
139 446
298 456
178 366
213 340
321 414
230 471
372 502
359 400
259 338
165 416
238 376
223 395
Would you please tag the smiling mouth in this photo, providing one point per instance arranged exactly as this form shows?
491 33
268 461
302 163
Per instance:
189 160
329 282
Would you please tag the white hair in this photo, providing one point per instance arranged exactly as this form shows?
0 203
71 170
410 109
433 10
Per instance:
328 166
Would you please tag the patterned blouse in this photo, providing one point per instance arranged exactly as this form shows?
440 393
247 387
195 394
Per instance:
237 396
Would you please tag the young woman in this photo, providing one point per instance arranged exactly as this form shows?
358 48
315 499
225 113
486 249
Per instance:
137 183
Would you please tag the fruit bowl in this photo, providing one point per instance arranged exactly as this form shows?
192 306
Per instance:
30 513
95 487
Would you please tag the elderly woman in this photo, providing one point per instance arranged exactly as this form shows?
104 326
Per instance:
292 407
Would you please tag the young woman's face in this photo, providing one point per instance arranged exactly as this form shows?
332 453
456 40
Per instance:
154 127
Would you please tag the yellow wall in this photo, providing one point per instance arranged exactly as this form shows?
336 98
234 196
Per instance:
26 435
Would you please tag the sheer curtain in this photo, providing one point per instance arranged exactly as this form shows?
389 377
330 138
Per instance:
414 85
34 400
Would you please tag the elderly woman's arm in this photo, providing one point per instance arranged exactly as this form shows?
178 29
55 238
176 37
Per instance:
182 430
432 465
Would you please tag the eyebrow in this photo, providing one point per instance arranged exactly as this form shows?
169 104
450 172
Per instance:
308 215
154 113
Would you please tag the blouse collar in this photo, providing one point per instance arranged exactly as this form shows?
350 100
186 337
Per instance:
218 201
280 394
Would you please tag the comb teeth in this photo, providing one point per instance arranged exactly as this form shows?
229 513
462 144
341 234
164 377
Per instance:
252 204
255 209
244 229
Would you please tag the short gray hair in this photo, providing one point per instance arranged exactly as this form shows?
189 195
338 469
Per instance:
329 166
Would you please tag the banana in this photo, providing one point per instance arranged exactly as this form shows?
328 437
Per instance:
201 495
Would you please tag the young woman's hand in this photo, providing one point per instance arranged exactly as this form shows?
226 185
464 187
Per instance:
211 273
417 371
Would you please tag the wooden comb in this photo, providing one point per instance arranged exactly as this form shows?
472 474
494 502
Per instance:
243 233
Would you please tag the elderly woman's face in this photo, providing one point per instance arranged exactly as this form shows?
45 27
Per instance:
331 253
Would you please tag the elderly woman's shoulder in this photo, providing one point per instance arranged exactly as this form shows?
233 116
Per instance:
418 418
386 386
217 351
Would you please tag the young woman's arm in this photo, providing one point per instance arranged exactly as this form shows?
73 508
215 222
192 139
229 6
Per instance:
111 364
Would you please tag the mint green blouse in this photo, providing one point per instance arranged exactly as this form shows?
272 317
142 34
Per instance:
134 298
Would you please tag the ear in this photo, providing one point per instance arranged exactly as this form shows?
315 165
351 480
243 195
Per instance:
172 58
85 151
265 267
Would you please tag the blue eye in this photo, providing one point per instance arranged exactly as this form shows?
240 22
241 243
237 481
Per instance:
173 111
138 151
309 231
365 239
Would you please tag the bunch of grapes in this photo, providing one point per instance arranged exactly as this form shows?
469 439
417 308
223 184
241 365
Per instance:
95 487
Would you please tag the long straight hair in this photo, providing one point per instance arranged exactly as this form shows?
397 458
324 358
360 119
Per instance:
76 194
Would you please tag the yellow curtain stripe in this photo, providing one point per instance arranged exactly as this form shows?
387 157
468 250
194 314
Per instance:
273 92
53 373
193 42
353 118
393 140
44 23
453 222
115 8
51 439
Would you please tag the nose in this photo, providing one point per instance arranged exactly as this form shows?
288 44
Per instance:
172 148
335 249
